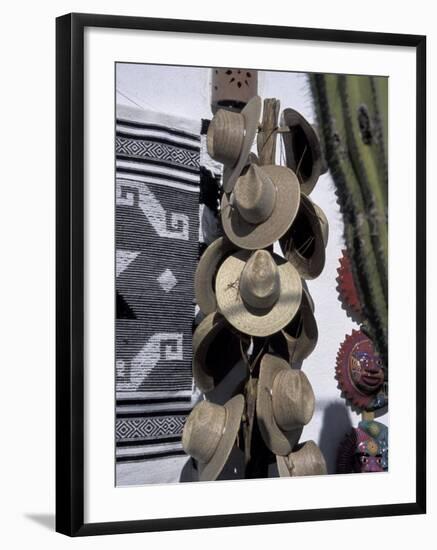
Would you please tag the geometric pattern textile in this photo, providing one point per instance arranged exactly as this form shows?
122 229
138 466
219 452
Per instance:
143 428
159 213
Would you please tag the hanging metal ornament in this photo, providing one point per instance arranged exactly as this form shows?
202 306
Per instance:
347 290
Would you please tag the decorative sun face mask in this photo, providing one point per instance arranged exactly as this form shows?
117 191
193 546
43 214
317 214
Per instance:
364 449
360 372
365 367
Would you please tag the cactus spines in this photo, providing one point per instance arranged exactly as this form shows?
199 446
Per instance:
352 117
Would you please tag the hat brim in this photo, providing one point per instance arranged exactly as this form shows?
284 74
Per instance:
214 330
250 236
297 123
324 224
278 441
308 267
248 320
202 337
251 114
206 271
308 460
298 348
234 411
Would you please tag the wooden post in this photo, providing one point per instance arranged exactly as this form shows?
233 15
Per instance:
266 141
250 395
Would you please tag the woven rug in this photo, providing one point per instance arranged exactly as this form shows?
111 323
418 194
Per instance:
159 205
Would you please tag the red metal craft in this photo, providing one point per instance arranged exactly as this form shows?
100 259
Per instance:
347 290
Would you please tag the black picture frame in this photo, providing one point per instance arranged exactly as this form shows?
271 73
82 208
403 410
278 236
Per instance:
70 273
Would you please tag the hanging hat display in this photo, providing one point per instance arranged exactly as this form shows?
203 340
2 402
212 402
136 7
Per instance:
206 272
297 340
230 137
360 372
209 435
306 460
304 243
258 293
285 404
302 150
216 350
263 205
259 316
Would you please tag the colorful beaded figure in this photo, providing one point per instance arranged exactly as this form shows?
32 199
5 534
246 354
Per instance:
364 449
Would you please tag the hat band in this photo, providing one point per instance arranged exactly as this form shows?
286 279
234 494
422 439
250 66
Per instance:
260 282
264 304
262 209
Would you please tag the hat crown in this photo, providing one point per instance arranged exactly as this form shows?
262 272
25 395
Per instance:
225 136
260 282
255 195
292 399
203 430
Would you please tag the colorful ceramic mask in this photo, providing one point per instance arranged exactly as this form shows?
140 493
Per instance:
360 373
364 449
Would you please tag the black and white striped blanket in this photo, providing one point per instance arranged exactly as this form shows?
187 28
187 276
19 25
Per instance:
163 189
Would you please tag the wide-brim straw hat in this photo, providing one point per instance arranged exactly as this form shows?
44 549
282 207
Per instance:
232 283
304 243
302 149
285 404
216 350
206 271
209 435
296 341
233 136
274 187
306 460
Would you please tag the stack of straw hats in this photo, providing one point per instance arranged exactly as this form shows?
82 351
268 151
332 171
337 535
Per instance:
255 299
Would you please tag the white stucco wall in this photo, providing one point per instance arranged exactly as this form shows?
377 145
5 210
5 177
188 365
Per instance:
185 91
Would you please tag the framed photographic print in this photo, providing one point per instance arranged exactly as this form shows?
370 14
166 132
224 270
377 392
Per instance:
240 266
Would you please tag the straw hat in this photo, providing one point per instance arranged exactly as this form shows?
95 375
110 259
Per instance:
323 223
307 460
263 205
304 244
216 350
209 435
230 137
206 271
258 293
285 403
302 149
296 341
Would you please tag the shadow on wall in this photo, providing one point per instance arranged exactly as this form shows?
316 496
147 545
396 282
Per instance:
335 425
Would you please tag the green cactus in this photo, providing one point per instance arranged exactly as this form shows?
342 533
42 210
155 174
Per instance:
352 119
